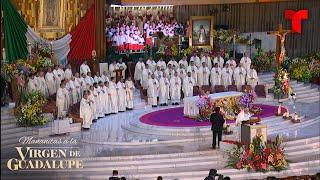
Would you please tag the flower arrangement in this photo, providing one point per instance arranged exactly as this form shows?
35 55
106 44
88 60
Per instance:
21 66
41 48
262 61
258 156
281 84
43 62
247 99
205 105
29 111
256 110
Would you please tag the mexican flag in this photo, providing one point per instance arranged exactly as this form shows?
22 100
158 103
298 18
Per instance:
76 46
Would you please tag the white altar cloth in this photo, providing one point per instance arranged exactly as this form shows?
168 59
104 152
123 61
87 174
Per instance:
190 108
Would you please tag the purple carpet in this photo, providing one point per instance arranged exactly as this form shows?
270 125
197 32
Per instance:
173 117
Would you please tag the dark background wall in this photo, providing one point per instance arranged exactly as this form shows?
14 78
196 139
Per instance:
258 17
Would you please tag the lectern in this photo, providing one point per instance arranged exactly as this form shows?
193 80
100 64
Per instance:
249 131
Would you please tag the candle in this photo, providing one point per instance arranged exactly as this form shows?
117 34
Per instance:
4 54
295 116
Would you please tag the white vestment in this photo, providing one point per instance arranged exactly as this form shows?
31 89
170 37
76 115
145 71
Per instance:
162 64
51 83
72 92
67 74
152 64
153 85
32 85
84 69
227 76
219 61
105 100
122 101
175 89
129 92
184 62
113 95
181 73
85 113
207 60
246 62
164 85
60 101
239 76
58 76
215 77
203 76
145 78
196 60
122 66
93 105
98 79
138 70
252 78
42 86
194 72
174 64
188 84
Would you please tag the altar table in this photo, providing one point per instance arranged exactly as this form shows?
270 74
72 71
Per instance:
190 108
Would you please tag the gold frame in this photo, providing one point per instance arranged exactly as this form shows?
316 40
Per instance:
193 18
61 20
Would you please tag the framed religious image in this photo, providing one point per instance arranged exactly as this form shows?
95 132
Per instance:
201 31
51 14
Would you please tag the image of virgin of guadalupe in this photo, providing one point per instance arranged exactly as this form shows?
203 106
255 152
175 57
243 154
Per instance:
202 35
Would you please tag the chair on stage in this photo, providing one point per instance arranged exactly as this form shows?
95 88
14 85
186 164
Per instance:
196 90
232 88
218 88
246 88
261 90
206 88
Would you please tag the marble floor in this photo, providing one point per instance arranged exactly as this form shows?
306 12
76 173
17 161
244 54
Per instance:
110 137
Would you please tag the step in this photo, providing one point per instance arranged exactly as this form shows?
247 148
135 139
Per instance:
312 94
16 135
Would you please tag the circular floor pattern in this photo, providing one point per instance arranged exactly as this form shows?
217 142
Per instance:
173 117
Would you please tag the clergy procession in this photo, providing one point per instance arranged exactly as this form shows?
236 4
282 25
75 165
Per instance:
174 80
99 95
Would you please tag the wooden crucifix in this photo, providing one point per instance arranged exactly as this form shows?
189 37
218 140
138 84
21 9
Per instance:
280 48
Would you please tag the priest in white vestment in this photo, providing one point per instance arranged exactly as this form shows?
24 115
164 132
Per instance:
146 75
232 63
203 75
162 64
184 62
219 60
164 86
105 76
60 99
239 76
158 73
173 62
58 76
32 83
194 71
78 86
112 67
138 70
169 71
68 72
252 77
206 58
215 76
97 78
74 91
121 65
51 82
107 105
152 64
188 84
175 89
227 76
42 84
196 60
153 85
246 61
85 111
84 68
129 92
113 95
93 104
122 95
